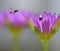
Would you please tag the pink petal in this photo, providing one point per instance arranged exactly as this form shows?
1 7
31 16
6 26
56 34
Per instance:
10 17
45 27
20 19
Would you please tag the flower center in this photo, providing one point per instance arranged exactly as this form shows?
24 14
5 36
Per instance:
40 17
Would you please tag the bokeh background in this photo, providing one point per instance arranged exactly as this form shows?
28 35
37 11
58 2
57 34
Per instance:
28 40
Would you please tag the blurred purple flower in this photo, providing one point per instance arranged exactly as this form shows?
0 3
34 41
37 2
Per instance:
2 21
17 18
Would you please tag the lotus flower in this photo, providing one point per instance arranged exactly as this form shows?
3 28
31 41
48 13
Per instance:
45 26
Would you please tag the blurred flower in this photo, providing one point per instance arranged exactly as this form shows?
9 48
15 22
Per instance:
45 25
2 22
15 20
12 22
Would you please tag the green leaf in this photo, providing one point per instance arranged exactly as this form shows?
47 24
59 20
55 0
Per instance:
37 31
51 34
53 31
57 24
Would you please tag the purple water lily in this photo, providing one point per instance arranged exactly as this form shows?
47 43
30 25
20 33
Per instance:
45 26
45 23
16 18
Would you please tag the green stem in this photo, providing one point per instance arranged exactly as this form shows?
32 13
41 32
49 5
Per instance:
45 45
16 47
